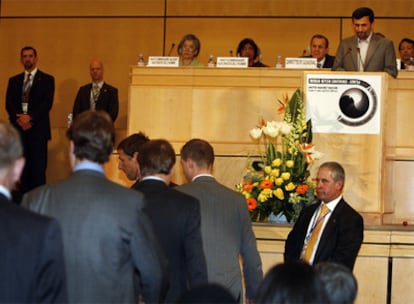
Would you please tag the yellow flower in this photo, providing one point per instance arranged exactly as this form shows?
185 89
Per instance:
285 176
279 193
246 194
275 172
268 169
276 162
279 181
290 163
290 187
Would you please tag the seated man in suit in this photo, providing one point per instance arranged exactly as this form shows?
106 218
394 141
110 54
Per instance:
175 216
97 95
107 236
330 230
31 259
319 48
365 51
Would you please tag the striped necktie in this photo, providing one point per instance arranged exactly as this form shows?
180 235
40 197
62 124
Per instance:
314 233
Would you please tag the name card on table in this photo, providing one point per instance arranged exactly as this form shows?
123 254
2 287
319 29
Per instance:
300 63
163 61
232 62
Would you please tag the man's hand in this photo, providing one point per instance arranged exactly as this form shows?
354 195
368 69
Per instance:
24 121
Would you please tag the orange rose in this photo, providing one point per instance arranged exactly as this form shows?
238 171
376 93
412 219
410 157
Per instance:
266 184
247 185
251 203
302 189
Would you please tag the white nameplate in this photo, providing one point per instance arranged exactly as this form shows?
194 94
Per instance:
300 63
163 61
232 62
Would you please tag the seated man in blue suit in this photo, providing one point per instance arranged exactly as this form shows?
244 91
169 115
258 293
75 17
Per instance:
31 258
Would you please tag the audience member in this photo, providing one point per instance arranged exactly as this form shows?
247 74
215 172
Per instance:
208 293
319 47
107 236
406 49
188 50
248 48
339 282
175 217
365 51
330 230
293 282
222 210
128 150
97 95
31 259
29 99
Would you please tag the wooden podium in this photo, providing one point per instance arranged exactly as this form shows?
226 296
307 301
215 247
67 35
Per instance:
222 105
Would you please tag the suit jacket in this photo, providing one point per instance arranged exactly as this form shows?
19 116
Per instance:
40 103
106 237
329 61
227 235
340 240
380 56
107 100
176 219
31 259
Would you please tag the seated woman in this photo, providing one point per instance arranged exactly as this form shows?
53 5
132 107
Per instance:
188 50
248 48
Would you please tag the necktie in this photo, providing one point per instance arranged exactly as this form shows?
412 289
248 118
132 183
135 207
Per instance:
314 233
95 95
26 88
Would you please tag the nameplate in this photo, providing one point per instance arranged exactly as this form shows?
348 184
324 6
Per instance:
232 62
300 63
163 61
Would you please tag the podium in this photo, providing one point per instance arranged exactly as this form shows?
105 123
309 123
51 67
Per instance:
222 105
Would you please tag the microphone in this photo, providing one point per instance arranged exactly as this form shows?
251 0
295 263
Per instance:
231 53
303 53
360 59
171 49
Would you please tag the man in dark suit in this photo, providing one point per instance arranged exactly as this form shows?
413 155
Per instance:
107 236
97 95
365 51
319 47
342 229
31 259
128 150
29 99
226 227
175 216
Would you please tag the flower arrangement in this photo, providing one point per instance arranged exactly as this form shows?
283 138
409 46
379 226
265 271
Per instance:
279 181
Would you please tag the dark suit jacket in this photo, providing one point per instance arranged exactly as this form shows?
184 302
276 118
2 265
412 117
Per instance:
106 237
176 219
107 100
31 259
329 61
380 56
40 103
340 240
227 235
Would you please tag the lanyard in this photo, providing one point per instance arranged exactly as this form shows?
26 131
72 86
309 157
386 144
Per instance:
316 222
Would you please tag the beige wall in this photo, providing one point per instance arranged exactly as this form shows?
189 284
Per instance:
68 34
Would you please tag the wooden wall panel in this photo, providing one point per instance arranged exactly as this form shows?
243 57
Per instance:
82 8
284 37
66 49
286 8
